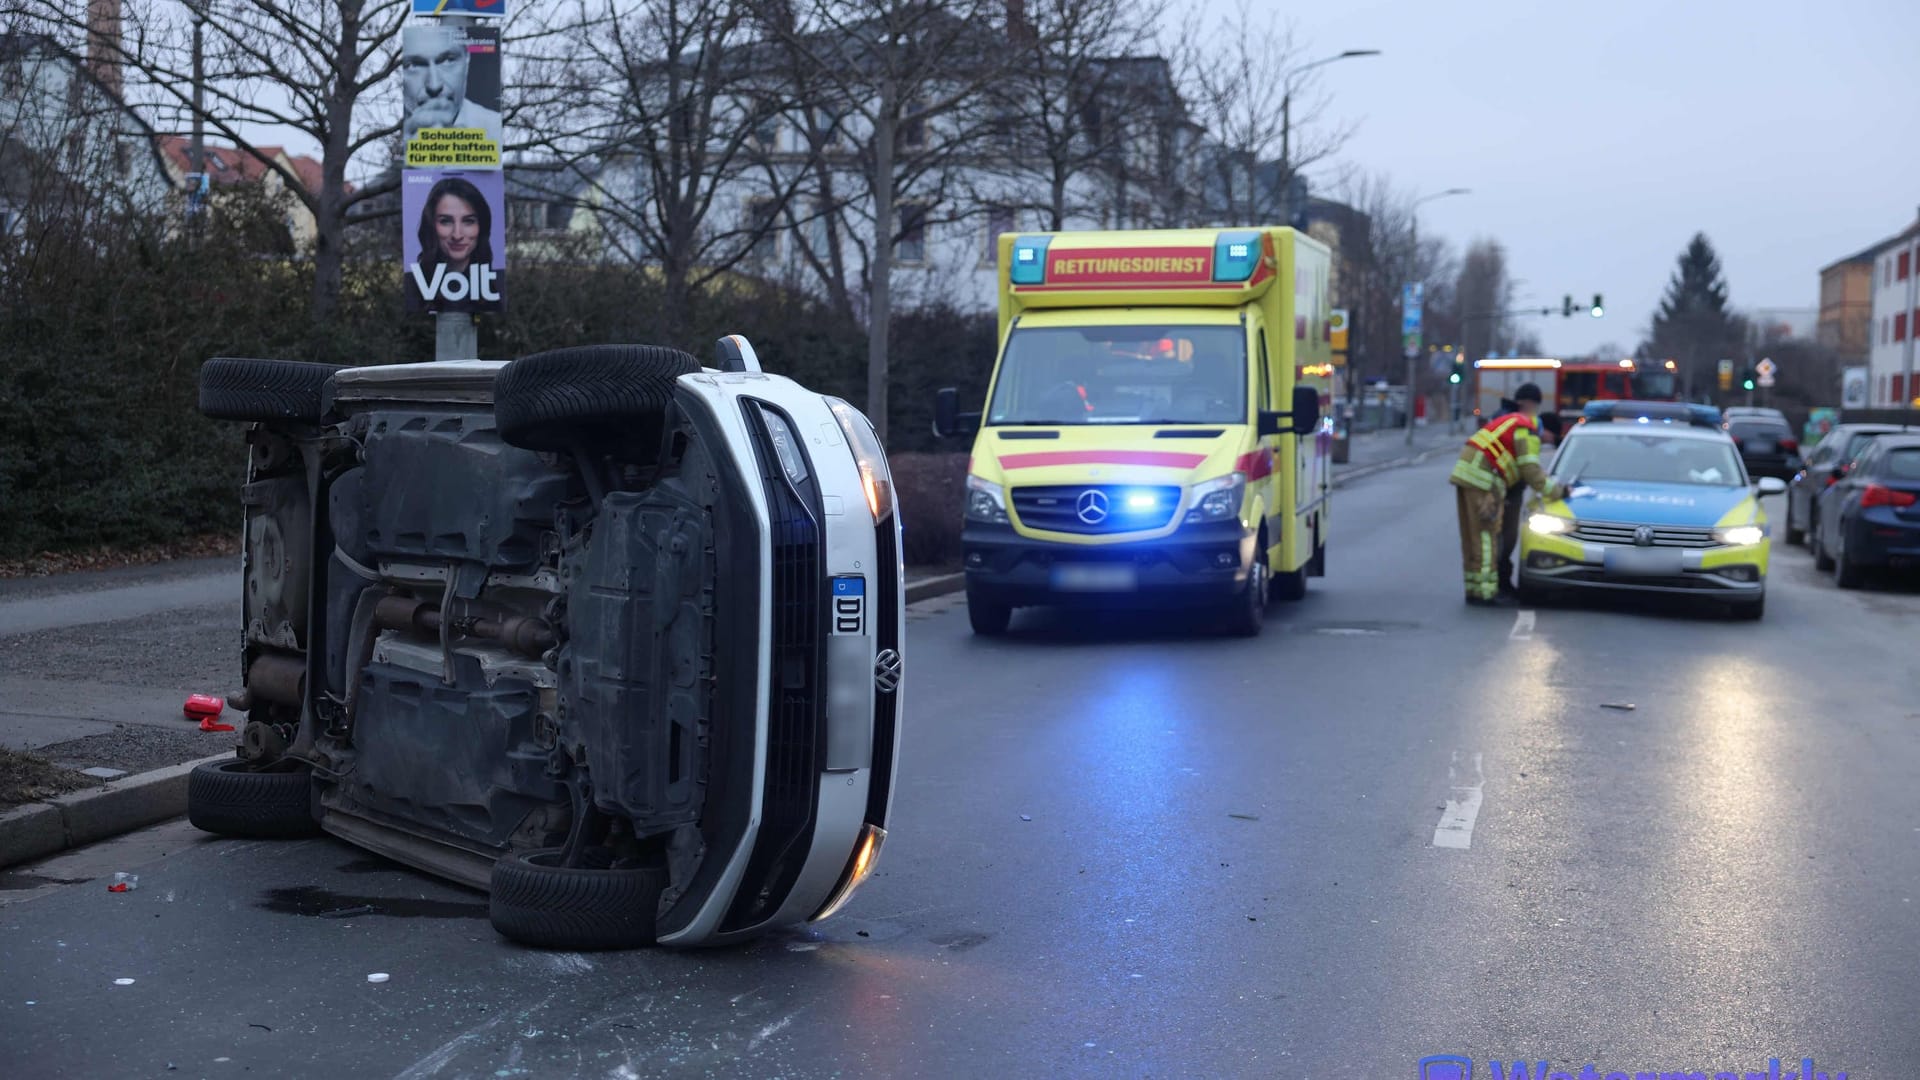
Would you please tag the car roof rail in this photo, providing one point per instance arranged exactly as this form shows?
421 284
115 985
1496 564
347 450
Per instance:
1704 416
735 353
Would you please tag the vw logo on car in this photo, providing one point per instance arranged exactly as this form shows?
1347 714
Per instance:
1643 536
1092 506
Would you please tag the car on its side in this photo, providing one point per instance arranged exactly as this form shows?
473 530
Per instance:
1657 505
1768 446
1871 518
1826 464
609 635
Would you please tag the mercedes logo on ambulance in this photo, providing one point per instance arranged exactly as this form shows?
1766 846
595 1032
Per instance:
1092 506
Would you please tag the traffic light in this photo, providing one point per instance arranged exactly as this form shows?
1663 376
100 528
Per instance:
1458 374
1598 308
1746 378
1566 306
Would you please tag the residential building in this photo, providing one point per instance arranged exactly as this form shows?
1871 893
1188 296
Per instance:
1846 306
263 167
1894 315
68 144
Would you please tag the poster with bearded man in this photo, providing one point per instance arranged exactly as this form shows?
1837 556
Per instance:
450 91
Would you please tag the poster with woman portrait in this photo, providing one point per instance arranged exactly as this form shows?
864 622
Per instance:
454 239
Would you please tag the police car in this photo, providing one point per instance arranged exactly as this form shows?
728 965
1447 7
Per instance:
1659 503
612 636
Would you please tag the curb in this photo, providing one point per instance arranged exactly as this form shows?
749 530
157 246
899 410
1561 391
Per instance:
85 817
928 588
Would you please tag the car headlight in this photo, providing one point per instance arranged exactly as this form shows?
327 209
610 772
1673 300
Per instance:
1740 535
985 501
1549 524
786 446
876 480
1218 499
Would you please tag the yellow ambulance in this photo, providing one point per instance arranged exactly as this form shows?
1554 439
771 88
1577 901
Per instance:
1152 433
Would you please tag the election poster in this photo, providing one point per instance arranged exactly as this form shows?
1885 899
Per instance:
450 91
486 8
454 239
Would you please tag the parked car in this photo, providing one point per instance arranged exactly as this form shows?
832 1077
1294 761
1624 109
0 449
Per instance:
1767 445
1871 517
1732 411
611 636
1827 462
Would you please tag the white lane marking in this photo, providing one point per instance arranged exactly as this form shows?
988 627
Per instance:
1522 626
1463 807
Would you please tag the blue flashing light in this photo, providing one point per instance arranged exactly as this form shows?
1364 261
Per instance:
1142 501
1235 255
1029 260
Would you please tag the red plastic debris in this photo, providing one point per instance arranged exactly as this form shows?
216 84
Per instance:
207 723
122 887
199 706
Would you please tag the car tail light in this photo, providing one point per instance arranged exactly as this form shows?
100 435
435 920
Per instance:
1791 446
1879 495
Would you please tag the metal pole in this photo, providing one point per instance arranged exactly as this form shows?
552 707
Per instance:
455 337
1913 279
1413 361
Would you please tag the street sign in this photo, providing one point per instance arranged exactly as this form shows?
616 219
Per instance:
1337 325
1726 374
1765 369
1413 297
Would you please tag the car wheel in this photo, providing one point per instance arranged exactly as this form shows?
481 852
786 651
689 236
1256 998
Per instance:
1821 560
230 798
1794 535
1249 612
609 397
1755 610
536 901
1846 573
1318 567
287 391
987 618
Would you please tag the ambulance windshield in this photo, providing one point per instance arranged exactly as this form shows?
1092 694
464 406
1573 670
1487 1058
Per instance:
1122 375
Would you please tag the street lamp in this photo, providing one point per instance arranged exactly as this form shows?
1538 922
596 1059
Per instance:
1286 105
1413 360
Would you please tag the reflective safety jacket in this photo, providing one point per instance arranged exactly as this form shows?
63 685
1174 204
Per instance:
1504 453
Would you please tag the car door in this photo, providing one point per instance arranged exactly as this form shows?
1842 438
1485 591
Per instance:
1808 481
1843 498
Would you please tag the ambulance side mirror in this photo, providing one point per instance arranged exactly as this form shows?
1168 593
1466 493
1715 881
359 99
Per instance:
1306 410
948 421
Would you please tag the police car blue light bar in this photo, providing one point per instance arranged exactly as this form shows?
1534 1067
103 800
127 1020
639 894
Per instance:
1646 412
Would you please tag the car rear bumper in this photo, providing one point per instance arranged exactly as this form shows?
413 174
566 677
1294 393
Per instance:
1196 566
1882 537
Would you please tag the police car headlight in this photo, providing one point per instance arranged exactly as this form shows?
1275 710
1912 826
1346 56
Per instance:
985 502
876 481
1549 524
1740 535
1218 499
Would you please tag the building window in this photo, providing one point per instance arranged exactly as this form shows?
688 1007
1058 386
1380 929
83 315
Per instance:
766 237
829 127
1901 273
1900 328
999 220
815 232
911 248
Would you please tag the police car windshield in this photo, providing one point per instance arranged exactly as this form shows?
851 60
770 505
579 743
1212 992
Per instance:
1649 459
1122 375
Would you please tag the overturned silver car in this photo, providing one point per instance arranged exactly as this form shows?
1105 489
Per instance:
611 635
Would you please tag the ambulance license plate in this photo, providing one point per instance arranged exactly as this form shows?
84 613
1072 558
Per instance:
1094 577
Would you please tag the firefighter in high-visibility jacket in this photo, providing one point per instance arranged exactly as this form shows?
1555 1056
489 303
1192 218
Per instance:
1498 457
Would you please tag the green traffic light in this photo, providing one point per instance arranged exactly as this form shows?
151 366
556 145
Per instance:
1747 385
1454 378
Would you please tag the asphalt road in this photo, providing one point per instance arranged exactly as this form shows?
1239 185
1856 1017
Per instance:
1124 847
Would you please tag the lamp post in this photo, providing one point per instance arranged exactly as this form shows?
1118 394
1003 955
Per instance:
1286 108
1413 355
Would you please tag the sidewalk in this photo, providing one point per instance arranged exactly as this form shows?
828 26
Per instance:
1376 448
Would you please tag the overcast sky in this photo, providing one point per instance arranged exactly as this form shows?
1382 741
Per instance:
1598 137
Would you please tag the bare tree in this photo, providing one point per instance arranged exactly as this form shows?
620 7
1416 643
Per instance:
658 107
909 78
1484 294
1248 82
318 68
1393 255
1077 95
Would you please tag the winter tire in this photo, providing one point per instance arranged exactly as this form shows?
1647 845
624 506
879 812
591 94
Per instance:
536 901
229 798
1290 587
606 396
266 391
1249 611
